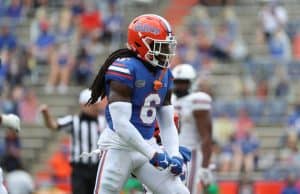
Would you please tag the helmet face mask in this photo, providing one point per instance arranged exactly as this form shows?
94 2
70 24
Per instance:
150 36
160 51
181 87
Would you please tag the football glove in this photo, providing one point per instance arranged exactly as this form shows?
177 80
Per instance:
11 121
176 165
160 161
206 176
185 153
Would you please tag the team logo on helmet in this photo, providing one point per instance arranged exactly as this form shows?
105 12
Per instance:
140 27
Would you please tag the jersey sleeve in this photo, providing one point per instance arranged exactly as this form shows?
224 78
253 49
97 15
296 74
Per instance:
201 101
65 123
120 71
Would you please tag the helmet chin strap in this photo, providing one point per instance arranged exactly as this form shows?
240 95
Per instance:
157 84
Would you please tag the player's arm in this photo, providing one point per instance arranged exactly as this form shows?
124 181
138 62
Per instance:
202 114
168 130
11 121
120 108
169 134
49 120
204 126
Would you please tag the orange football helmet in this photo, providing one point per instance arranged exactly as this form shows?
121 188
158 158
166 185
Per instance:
152 38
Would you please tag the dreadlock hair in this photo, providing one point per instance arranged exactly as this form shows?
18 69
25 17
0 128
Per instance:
98 86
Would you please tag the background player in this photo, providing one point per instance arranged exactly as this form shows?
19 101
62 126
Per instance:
137 83
195 125
84 129
10 121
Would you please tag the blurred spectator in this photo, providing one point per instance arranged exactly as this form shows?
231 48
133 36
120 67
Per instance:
279 46
280 82
294 118
200 55
289 154
28 8
290 187
200 20
19 181
183 38
262 89
62 58
77 7
60 68
29 107
223 44
15 10
245 155
91 19
41 15
2 8
238 50
227 155
44 44
231 22
273 17
243 124
223 129
7 39
64 30
296 45
24 62
199 52
83 67
2 75
113 26
14 71
11 100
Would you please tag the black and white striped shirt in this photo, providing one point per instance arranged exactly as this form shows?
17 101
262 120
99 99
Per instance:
85 131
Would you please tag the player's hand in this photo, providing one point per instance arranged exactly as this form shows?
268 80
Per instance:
176 165
160 160
11 121
206 176
43 108
185 153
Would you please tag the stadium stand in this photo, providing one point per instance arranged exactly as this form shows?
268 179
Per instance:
260 80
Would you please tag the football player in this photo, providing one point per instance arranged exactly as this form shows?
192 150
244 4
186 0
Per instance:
10 121
195 125
137 83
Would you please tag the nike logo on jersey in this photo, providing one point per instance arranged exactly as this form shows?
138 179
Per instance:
165 161
140 83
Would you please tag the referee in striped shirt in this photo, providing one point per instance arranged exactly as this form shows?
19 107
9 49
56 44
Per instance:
85 129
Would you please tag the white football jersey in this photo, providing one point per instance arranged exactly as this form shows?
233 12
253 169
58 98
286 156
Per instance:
185 106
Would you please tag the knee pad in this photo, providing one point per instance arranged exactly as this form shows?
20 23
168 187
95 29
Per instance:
112 180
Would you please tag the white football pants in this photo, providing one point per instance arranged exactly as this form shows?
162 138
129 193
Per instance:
116 165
